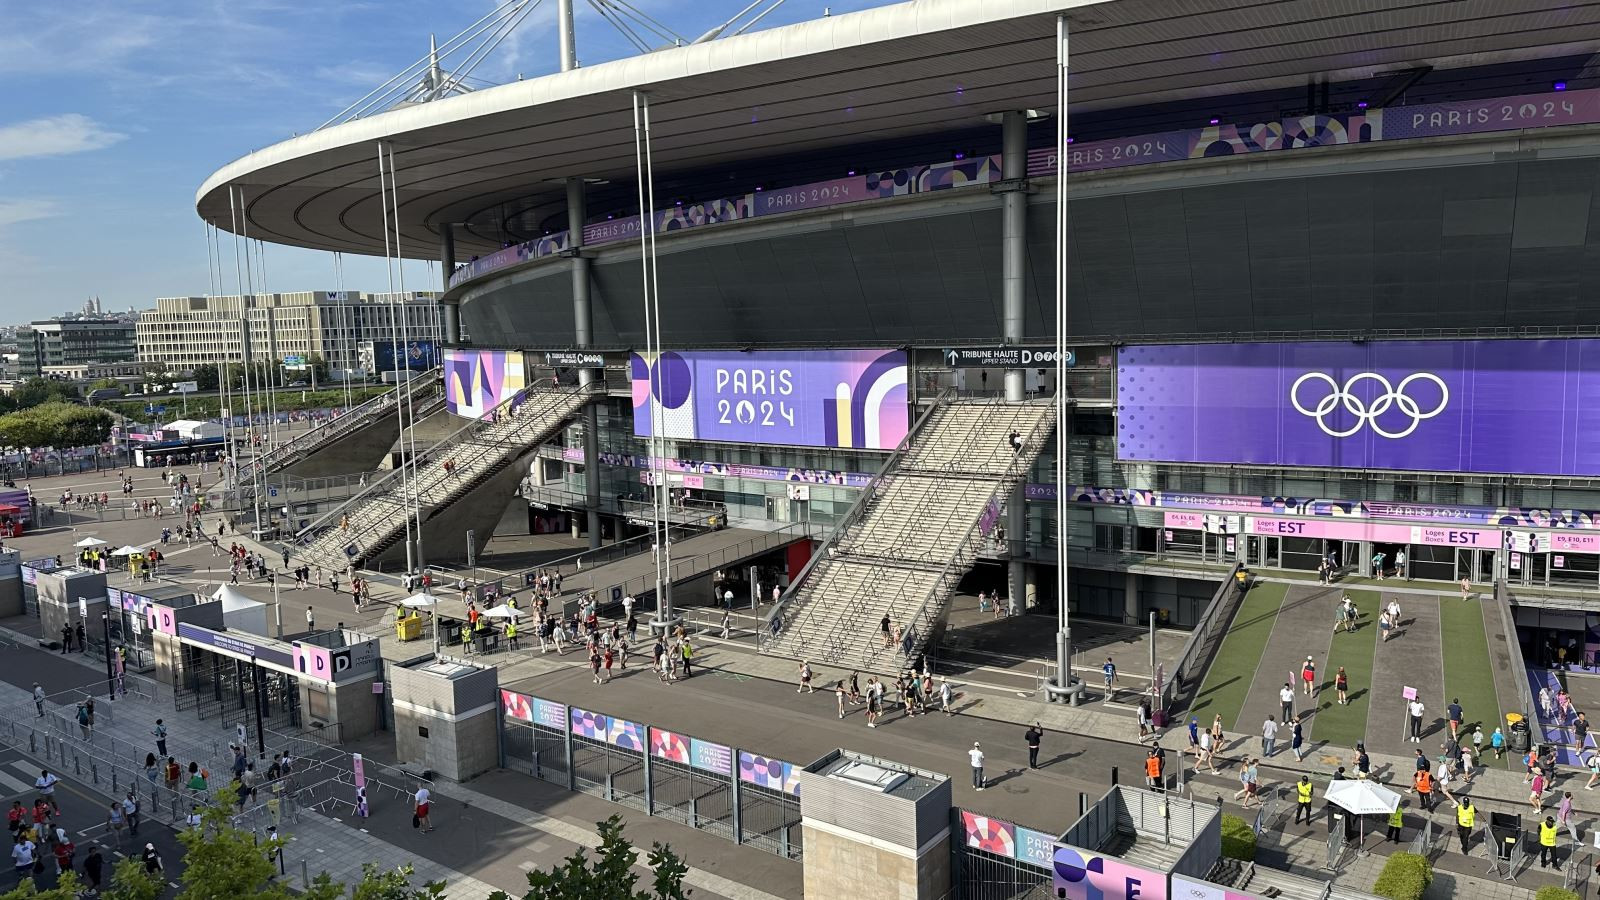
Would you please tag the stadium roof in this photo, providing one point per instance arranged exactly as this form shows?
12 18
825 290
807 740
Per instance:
919 68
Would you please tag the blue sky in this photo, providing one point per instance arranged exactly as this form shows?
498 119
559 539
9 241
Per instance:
116 111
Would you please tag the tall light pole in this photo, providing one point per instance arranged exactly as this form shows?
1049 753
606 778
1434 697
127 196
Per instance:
1063 680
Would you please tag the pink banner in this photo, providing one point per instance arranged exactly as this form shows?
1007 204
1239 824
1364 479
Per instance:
160 618
1195 521
1371 531
1572 542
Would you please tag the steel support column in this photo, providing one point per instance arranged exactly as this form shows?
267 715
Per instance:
1014 262
583 336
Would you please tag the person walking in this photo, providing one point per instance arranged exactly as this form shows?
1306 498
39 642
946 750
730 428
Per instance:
1033 736
975 755
947 698
1580 734
838 696
311 620
805 679
1564 817
1286 701
152 861
688 658
116 820
94 868
873 707
1341 684
1455 716
422 805
160 732
130 811
1536 791
1297 742
1466 816
1416 710
46 786
1466 590
1396 822
1269 736
38 700
1109 671
1207 753
1302 799
1308 676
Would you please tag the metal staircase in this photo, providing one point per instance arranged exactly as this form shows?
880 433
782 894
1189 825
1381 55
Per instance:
419 389
910 537
375 519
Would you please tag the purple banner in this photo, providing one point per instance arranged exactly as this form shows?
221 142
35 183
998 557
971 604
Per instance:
990 517
1522 407
1494 114
813 398
769 772
811 196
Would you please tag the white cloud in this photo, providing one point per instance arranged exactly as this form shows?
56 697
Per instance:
54 136
13 212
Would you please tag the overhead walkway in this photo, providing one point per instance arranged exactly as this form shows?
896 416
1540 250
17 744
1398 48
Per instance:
370 528
356 440
911 537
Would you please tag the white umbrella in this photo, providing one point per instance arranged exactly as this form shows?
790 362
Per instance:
127 551
1362 798
90 542
419 601
501 612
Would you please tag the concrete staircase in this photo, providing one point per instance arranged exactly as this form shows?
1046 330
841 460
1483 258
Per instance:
483 454
911 537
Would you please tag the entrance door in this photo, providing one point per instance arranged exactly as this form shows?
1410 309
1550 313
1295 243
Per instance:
1488 566
1349 557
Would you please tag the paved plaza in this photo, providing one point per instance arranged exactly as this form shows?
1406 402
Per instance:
505 822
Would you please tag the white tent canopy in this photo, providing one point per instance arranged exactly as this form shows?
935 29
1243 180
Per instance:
419 601
232 598
1364 798
90 542
501 612
127 551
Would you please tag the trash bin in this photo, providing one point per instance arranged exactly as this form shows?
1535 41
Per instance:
1519 739
1506 829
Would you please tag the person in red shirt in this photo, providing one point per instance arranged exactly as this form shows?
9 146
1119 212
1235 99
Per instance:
17 816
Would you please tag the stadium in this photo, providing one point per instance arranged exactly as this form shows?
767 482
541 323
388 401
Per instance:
1329 298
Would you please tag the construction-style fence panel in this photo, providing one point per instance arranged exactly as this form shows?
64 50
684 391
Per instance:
993 859
722 790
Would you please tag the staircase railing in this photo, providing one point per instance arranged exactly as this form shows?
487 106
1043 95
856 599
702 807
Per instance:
388 482
341 424
782 611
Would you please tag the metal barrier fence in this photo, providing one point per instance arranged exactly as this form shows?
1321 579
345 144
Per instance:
722 790
991 859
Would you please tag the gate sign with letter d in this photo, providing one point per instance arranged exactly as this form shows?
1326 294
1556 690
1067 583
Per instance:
321 663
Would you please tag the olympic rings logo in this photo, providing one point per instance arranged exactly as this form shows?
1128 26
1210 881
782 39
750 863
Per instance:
1392 395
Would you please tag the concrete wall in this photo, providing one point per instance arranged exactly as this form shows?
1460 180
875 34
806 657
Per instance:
841 868
444 530
11 596
359 451
460 716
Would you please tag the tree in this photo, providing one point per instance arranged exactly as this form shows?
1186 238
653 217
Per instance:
221 860
130 881
317 368
394 884
206 377
35 391
66 888
611 877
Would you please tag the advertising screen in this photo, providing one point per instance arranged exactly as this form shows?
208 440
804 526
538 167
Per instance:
476 381
814 398
1522 407
416 355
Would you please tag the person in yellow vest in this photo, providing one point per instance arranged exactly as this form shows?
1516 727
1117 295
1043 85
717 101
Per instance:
1396 819
1465 817
1548 829
511 633
466 638
1302 799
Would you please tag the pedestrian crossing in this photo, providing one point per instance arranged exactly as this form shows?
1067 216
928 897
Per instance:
17 777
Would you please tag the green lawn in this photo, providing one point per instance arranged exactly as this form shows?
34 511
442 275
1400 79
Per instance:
1467 672
1231 673
1343 726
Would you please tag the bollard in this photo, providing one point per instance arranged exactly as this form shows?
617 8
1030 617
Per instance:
1113 776
305 876
33 741
1083 804
77 764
